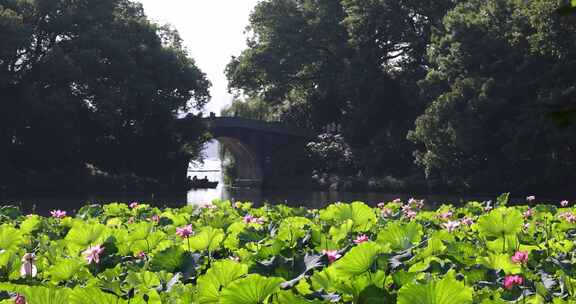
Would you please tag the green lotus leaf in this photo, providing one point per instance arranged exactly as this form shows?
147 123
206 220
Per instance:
501 261
425 264
92 295
140 231
220 275
291 229
85 233
156 241
232 232
169 259
445 291
502 200
143 281
64 269
253 289
287 296
361 215
39 294
358 260
207 239
30 224
177 219
116 209
400 236
501 222
340 232
10 238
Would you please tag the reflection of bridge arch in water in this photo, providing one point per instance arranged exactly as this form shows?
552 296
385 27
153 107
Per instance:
253 143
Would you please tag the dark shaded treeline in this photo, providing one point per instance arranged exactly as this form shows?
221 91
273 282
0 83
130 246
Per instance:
457 95
89 91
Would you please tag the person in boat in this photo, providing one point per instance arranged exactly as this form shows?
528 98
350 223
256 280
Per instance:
195 178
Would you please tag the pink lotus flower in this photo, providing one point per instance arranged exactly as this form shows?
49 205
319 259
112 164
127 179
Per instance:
512 280
58 214
332 255
528 213
361 239
184 232
564 203
141 255
446 215
155 218
467 221
520 257
397 201
409 214
28 269
451 225
133 205
568 216
531 198
381 205
19 299
387 212
249 219
92 254
418 204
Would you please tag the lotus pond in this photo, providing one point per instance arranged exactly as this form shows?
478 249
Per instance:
398 252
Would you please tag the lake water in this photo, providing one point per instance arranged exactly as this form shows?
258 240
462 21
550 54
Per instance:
211 168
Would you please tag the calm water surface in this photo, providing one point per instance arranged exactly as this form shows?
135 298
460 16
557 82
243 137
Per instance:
310 199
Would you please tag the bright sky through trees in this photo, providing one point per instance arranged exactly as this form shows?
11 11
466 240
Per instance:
212 30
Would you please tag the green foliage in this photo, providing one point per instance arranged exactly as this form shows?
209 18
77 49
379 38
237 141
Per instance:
67 99
358 260
220 275
444 291
208 239
498 69
362 216
300 257
400 236
501 222
252 289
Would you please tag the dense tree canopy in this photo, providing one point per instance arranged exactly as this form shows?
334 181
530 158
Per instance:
92 81
461 91
346 62
498 69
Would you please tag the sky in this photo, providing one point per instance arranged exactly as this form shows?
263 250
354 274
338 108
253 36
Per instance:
212 30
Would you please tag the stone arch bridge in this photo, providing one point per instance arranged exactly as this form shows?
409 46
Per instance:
254 144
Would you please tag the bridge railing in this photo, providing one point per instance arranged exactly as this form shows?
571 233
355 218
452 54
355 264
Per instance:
264 126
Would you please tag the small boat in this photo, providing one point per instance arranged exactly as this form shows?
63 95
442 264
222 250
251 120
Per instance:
202 184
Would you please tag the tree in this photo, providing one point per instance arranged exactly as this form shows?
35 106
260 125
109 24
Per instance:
498 67
92 81
351 63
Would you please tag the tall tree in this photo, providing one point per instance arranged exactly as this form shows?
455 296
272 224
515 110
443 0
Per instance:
92 81
353 63
498 67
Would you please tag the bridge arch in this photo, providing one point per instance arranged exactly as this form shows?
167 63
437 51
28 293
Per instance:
253 143
247 161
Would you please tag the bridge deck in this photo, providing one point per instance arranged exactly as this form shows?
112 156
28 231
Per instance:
258 125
